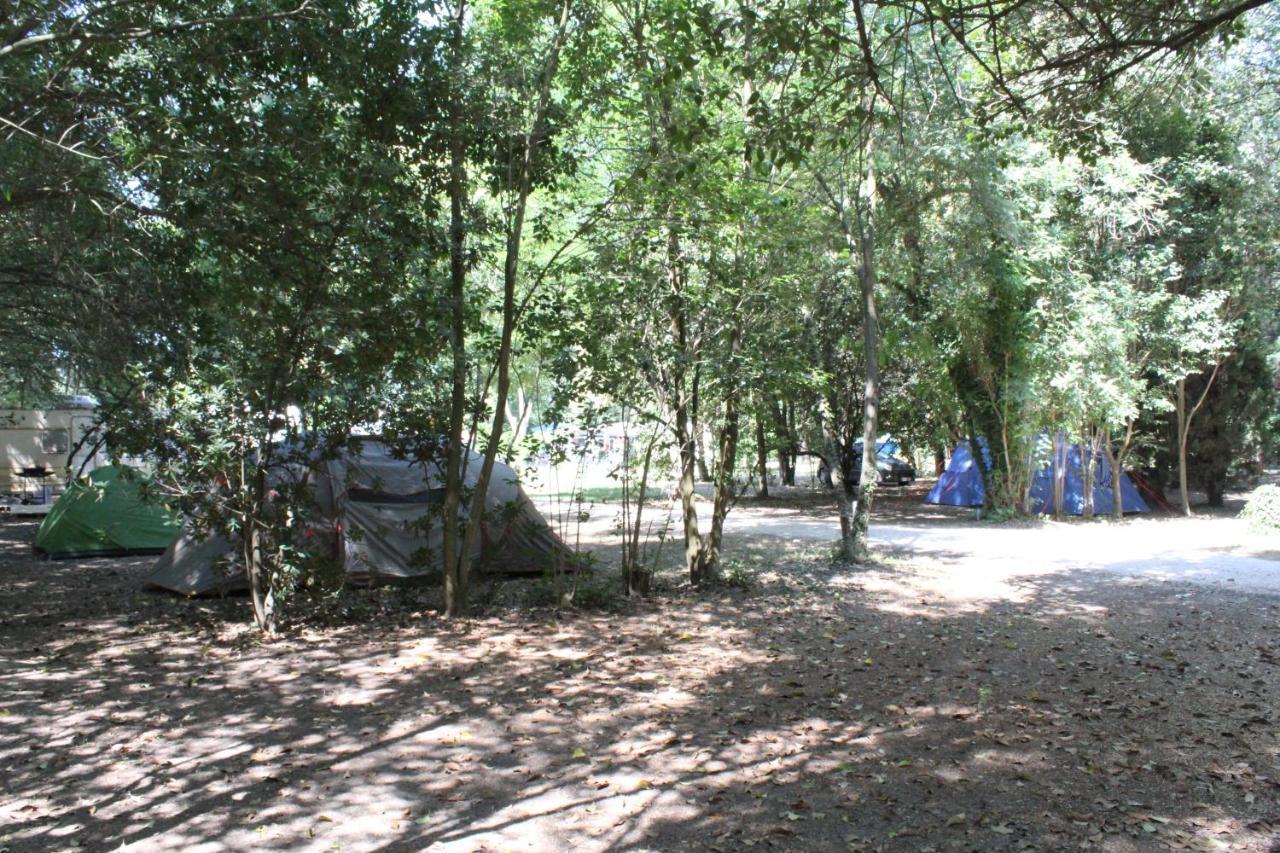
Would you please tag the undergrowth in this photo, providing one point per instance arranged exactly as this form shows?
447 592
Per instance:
1263 509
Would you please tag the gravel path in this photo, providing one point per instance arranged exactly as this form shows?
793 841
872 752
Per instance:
1203 550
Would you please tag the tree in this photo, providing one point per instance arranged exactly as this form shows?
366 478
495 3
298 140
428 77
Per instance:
293 230
520 47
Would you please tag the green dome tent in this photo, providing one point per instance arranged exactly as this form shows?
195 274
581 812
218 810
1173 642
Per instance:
104 515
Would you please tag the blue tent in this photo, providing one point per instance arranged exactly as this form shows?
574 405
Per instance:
961 484
1073 482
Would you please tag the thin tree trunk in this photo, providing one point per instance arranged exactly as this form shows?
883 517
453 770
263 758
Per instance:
1184 430
1180 413
455 591
689 511
635 578
1059 475
727 454
859 234
725 495
793 445
1115 459
260 586
681 425
849 478
871 355
727 446
510 274
699 447
519 415
786 449
1117 495
1086 472
762 458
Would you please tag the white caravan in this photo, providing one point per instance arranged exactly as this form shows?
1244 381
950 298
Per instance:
38 445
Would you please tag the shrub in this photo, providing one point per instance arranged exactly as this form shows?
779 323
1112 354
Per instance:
737 574
585 591
1263 509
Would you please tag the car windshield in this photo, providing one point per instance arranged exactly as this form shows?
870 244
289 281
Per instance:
885 447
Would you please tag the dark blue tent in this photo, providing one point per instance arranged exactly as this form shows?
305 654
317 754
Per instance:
1073 482
961 485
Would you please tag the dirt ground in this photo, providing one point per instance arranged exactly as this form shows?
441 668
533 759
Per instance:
912 706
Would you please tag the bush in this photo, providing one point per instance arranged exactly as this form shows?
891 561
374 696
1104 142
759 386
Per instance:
737 574
1263 509
586 591
998 514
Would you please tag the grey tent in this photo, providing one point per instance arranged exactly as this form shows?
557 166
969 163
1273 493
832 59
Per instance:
379 516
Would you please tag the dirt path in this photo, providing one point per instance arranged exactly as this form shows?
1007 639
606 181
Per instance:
915 706
1216 549
1197 550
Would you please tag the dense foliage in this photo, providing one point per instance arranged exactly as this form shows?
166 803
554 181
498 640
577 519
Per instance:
1263 509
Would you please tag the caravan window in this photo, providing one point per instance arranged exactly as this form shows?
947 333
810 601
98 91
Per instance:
55 441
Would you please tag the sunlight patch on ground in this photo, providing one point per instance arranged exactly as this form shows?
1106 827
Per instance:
919 590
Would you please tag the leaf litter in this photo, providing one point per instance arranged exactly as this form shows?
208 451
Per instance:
1090 714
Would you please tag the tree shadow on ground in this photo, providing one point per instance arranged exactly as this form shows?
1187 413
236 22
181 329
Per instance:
818 709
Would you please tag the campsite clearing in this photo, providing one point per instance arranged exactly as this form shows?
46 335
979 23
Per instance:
821 707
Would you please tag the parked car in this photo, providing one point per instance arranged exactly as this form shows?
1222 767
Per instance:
892 471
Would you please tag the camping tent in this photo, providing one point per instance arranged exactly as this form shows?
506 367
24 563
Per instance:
1072 473
379 516
104 514
961 483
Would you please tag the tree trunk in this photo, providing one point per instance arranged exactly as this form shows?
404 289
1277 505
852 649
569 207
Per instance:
1115 458
1184 429
259 584
1117 498
1059 475
793 445
1180 411
871 393
635 578
510 274
260 581
727 444
762 458
725 493
455 591
726 460
859 235
850 472
980 423
519 416
1088 452
787 448
699 448
686 448
692 538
